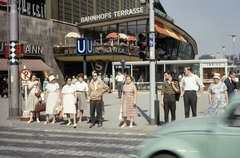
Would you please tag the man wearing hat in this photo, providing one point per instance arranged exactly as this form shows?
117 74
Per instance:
96 89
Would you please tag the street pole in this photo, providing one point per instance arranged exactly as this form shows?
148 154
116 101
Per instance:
223 49
233 40
14 80
152 61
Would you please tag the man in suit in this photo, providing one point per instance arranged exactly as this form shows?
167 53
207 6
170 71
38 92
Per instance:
230 83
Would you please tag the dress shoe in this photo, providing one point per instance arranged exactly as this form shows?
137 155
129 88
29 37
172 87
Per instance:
91 125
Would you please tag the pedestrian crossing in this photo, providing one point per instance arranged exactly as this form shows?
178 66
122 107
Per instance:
38 142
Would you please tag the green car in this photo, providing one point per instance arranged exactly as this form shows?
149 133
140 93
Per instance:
198 137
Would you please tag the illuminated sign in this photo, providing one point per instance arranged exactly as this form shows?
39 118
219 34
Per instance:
114 14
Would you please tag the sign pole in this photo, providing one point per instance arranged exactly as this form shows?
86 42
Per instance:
152 61
14 80
25 75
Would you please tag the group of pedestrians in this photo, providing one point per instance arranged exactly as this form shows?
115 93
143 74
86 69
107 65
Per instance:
188 87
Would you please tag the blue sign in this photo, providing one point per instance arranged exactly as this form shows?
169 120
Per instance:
84 46
151 40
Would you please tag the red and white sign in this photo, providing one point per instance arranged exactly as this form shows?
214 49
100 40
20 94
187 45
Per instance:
25 74
4 3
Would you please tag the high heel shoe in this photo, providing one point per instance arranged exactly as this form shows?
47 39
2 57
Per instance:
123 126
46 122
30 121
54 121
38 121
69 123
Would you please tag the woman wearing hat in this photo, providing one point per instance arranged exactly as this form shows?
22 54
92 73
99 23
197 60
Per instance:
217 96
52 98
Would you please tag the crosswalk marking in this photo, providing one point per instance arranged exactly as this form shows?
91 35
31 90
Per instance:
52 142
61 152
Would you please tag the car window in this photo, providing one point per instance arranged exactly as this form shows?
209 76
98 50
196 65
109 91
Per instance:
234 118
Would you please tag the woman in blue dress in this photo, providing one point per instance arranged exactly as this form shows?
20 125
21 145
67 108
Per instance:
217 96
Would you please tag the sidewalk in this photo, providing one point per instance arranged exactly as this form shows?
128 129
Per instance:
111 121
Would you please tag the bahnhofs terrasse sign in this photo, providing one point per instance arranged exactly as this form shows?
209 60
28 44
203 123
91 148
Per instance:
114 14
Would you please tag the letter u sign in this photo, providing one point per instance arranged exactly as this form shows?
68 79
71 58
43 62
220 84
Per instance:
84 46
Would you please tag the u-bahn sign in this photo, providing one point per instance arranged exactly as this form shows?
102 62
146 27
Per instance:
84 46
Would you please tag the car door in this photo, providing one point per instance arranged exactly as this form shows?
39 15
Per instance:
227 135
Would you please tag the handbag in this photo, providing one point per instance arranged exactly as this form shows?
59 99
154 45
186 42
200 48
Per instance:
40 107
177 95
38 94
5 90
57 109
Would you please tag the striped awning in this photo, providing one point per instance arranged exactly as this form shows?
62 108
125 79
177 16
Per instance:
163 29
31 64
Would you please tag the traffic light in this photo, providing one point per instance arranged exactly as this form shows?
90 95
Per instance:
142 43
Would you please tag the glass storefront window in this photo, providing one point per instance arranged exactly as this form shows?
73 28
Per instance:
113 28
105 31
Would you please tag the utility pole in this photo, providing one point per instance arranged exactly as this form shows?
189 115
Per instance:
152 60
14 79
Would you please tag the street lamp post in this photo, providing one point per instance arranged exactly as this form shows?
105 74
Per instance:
100 39
223 49
233 40
122 62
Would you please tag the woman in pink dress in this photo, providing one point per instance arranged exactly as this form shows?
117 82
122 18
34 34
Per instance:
129 101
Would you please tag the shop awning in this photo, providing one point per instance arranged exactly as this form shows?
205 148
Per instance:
163 29
31 64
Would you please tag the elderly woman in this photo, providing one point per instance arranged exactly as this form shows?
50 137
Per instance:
129 101
52 98
69 101
81 89
217 96
32 100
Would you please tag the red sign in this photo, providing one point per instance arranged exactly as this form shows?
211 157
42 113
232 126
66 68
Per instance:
25 74
4 3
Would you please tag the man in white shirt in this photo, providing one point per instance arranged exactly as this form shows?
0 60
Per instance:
190 83
120 80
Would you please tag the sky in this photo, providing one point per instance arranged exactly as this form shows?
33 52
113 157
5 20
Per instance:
210 22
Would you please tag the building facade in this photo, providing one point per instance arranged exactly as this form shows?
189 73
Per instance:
45 29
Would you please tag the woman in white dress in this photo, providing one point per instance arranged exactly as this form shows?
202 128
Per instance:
69 100
52 98
81 89
32 100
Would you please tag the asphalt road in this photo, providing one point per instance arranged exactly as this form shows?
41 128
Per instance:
19 139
